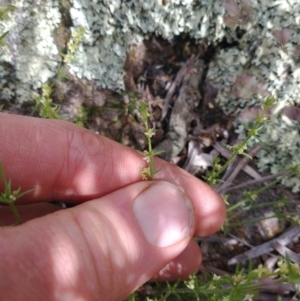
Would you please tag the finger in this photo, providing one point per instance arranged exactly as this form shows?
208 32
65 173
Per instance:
64 162
184 265
181 267
100 250
187 263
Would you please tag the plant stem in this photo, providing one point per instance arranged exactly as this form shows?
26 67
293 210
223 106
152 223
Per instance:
16 213
151 163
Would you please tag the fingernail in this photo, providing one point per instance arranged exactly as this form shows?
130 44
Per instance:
164 213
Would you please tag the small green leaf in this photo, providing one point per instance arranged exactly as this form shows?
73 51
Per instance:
3 35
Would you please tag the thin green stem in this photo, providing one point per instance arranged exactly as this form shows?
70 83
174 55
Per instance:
233 155
16 213
148 173
151 163
240 148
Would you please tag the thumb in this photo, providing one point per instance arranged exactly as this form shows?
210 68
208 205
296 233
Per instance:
100 250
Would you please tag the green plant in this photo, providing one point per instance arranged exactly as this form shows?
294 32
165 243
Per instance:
44 102
250 195
4 11
245 284
8 197
239 149
76 38
81 116
148 173
248 203
47 109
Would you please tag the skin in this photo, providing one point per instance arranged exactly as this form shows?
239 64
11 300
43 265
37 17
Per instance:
95 250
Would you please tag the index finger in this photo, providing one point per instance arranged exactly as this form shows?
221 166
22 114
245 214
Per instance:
64 162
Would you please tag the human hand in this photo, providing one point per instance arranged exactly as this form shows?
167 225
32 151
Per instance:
123 231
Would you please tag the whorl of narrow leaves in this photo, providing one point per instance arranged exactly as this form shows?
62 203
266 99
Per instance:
9 196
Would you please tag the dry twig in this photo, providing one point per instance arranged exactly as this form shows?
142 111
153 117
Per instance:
253 182
266 247
184 70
